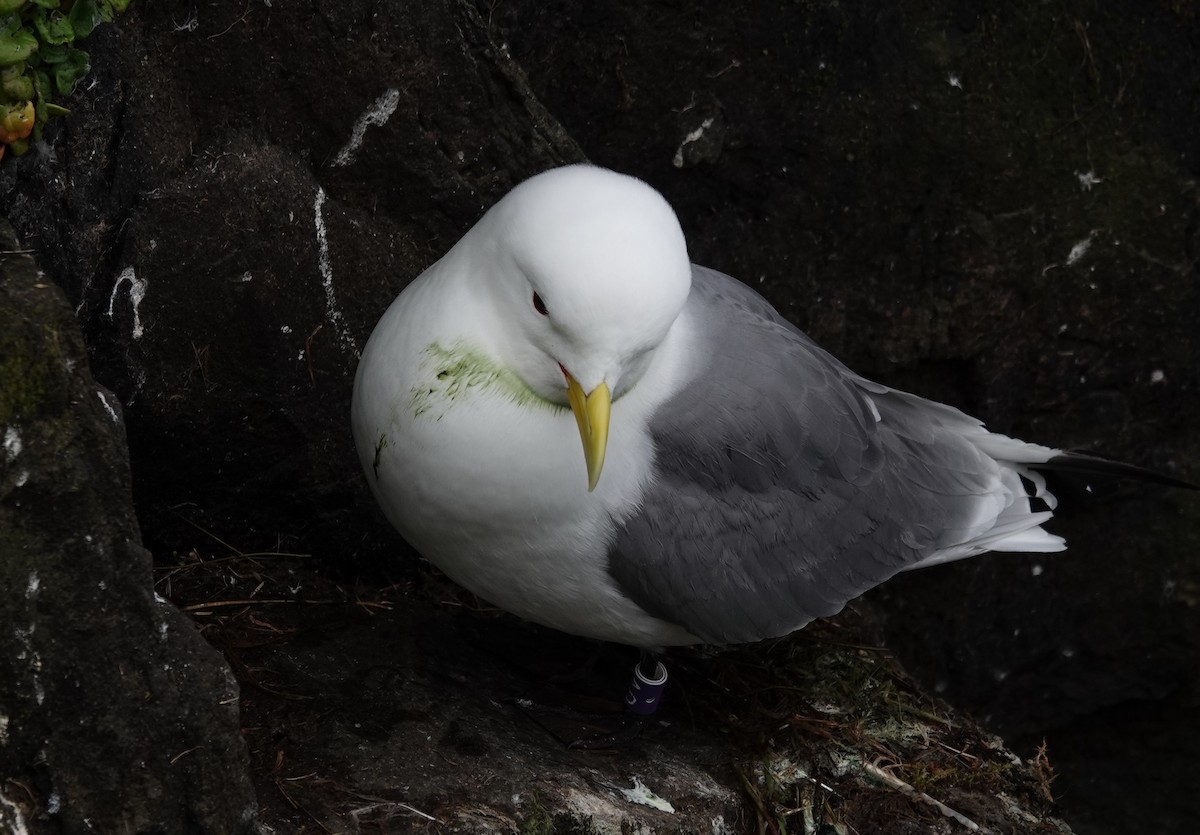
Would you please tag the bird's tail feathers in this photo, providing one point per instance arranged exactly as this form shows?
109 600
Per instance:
1078 480
1040 481
1021 533
1089 468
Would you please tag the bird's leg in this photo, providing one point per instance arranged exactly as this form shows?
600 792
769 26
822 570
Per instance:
641 701
646 687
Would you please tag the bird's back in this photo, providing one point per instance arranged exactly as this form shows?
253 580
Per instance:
786 485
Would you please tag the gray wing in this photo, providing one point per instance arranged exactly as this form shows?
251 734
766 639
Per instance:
785 484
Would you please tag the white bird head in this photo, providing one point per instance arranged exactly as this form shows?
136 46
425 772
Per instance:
587 270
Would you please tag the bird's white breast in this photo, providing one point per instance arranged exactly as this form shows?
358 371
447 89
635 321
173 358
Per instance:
488 481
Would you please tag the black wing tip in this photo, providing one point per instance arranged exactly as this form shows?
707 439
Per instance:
1082 464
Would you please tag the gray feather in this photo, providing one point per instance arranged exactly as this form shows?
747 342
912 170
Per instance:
778 495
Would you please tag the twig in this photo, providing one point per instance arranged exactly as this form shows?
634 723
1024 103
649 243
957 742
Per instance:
920 713
378 802
24 787
252 601
1044 771
230 26
971 757
416 811
184 753
893 782
764 819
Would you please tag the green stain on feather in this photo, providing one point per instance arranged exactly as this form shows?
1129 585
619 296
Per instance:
380 446
455 372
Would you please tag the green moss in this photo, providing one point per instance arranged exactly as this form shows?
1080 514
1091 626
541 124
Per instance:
986 777
380 446
23 378
538 821
456 372
850 706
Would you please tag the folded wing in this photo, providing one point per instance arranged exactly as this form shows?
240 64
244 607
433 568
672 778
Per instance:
786 485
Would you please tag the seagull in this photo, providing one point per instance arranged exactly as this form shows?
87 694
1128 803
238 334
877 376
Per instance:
577 424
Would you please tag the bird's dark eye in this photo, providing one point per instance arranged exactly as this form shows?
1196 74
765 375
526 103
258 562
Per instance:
539 305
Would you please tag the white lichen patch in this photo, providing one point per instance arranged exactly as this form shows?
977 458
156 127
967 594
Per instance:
1015 810
137 292
643 795
895 730
10 816
720 827
12 443
190 24
787 772
32 586
325 266
112 413
844 764
1087 179
376 115
1080 249
693 136
3 729
828 708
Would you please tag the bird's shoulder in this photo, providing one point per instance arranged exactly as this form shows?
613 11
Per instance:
756 381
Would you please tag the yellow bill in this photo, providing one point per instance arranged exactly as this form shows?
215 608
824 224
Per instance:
591 413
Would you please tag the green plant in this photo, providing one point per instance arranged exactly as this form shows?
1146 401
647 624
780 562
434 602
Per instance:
39 60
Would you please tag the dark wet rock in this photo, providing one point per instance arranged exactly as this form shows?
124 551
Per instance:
115 715
234 205
994 209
